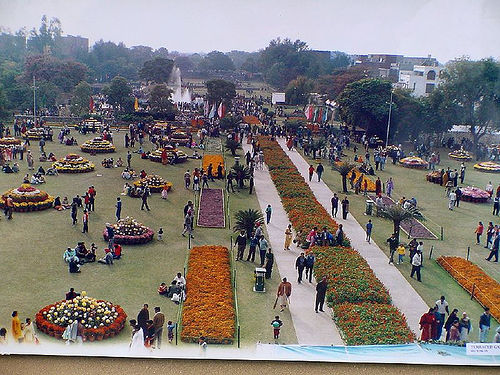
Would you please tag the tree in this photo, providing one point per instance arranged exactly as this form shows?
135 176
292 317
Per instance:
332 85
157 70
408 117
159 99
3 104
251 65
298 90
230 122
344 168
398 215
471 93
119 93
241 174
43 40
216 60
219 90
232 146
81 99
184 63
365 103
246 220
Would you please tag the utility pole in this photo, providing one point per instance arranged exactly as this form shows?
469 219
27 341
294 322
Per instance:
388 123
34 101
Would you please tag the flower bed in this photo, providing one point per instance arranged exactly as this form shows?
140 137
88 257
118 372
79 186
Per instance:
35 133
27 198
9 142
129 231
474 194
155 183
209 307
434 177
370 184
211 209
73 163
413 162
214 160
348 273
461 155
172 153
180 138
252 120
97 145
371 324
469 276
488 166
100 318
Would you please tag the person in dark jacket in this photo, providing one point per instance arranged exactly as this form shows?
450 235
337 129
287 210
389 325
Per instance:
309 266
320 294
300 264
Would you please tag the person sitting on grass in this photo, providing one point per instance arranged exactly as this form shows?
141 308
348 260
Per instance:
107 258
52 172
74 265
163 289
68 254
40 170
175 292
7 169
52 157
117 251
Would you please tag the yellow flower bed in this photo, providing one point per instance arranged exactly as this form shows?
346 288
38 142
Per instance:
488 166
370 184
214 160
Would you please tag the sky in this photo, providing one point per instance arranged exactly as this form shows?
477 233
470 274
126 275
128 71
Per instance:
445 29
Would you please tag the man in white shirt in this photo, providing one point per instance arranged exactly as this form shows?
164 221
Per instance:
416 263
453 198
442 309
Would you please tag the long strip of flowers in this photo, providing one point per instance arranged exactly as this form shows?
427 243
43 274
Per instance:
361 304
209 307
472 277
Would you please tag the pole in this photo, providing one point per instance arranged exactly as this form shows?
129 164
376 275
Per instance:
189 241
430 253
175 333
34 102
388 122
473 289
442 233
184 271
238 336
468 252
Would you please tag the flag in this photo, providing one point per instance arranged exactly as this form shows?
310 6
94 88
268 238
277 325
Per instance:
315 117
325 115
222 110
91 104
320 115
136 105
206 108
212 112
308 112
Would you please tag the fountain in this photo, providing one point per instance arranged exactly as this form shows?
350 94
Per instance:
180 94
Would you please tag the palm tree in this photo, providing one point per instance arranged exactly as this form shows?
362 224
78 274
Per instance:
241 174
246 220
230 122
232 145
344 168
398 214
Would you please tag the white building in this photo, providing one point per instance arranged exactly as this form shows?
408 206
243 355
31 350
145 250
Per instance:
421 80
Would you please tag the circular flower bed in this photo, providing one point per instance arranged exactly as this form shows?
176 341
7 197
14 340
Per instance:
171 151
413 162
179 137
101 319
98 145
461 155
28 198
474 195
73 163
434 177
129 231
9 142
35 133
155 183
488 166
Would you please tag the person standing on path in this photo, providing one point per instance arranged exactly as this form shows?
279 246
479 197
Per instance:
442 309
300 264
393 245
158 322
241 241
145 196
288 237
335 205
479 231
369 227
345 208
269 263
320 294
416 263
283 294
118 206
484 325
319 171
92 193
85 220
309 266
311 172
452 200
276 323
496 205
263 246
269 211
74 210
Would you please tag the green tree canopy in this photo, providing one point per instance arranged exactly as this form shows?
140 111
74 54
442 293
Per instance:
43 39
220 90
159 99
332 85
216 60
157 70
80 100
119 93
298 90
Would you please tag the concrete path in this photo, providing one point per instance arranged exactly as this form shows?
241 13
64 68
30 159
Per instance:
404 297
311 328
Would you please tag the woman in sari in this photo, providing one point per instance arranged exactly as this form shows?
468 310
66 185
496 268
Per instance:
288 237
426 322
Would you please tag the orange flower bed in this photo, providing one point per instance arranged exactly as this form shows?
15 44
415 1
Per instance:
468 274
209 308
252 120
370 184
214 160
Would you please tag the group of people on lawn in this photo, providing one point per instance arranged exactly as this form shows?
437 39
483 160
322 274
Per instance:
80 255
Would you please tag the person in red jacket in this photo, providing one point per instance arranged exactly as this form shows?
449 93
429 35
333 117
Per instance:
311 172
479 231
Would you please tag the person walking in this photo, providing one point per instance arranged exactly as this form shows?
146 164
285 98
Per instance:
393 245
85 221
188 221
300 264
345 208
319 171
484 325
254 241
369 227
494 248
118 206
92 193
309 266
311 172
129 159
288 237
74 209
320 294
283 294
335 204
269 211
416 263
452 200
158 322
479 231
241 241
276 324
145 196
458 195
389 186
9 207
442 310
269 263
496 205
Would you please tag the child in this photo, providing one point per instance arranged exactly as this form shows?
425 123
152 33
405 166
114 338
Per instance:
160 234
401 253
170 330
276 323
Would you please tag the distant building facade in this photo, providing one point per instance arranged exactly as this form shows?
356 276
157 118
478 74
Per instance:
422 80
72 46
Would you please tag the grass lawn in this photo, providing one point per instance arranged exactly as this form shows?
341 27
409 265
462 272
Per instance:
459 226
34 274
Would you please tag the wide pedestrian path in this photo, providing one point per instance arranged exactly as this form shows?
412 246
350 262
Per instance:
311 328
404 297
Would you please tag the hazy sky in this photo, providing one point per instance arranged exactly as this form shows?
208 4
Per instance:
443 28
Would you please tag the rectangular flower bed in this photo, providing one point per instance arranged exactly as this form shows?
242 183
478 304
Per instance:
214 160
469 276
209 307
211 209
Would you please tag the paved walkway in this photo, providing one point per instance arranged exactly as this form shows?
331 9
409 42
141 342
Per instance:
404 297
311 328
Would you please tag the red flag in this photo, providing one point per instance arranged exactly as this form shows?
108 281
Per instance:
91 104
222 110
320 115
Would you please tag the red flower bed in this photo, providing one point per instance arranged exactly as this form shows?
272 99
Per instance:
211 209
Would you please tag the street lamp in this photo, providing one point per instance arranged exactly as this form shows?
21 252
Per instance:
388 123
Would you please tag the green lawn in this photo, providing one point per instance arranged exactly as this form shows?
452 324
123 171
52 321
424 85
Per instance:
459 226
35 275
